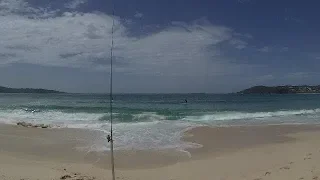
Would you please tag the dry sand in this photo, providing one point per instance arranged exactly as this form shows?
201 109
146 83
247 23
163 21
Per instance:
255 152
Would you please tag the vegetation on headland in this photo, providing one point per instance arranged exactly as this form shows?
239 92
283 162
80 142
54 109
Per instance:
281 90
26 90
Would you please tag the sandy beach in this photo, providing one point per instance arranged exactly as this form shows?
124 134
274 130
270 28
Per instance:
252 152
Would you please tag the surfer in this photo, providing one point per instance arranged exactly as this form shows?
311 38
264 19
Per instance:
186 101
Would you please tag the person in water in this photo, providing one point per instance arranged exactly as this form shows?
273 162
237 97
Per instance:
186 100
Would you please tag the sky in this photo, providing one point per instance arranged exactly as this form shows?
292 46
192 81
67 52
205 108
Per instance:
167 46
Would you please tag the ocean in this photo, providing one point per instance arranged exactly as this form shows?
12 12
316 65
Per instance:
157 121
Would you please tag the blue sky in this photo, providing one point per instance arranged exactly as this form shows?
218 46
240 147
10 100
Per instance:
160 46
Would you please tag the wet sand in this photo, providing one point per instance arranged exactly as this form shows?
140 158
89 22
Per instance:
252 152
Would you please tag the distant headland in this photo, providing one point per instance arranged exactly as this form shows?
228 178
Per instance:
282 90
27 90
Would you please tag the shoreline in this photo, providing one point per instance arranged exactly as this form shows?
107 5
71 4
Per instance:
73 145
76 141
227 139
224 150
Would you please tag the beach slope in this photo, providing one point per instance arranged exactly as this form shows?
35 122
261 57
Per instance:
254 152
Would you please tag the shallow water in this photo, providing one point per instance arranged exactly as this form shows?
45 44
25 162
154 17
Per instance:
157 121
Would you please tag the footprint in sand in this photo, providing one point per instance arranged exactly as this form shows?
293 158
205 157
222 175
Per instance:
258 179
301 178
65 177
308 156
76 177
285 168
315 178
267 173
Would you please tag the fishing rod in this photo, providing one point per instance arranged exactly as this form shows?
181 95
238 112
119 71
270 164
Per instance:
110 136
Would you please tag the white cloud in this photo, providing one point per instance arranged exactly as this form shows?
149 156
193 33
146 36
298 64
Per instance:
238 43
22 8
14 6
138 15
75 4
289 16
82 40
296 20
265 49
248 36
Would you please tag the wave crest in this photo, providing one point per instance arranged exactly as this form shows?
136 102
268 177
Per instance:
232 115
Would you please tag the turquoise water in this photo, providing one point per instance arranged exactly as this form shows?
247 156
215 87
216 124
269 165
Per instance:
153 121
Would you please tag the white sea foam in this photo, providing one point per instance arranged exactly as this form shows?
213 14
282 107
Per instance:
150 135
148 116
151 132
48 116
229 115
